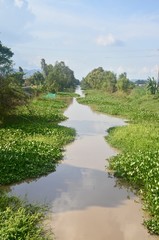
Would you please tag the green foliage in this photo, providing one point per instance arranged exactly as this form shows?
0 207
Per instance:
138 163
123 83
58 77
18 220
32 140
106 80
5 60
152 85
36 79
100 79
11 96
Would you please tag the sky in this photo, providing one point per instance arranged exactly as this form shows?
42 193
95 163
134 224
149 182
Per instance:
118 35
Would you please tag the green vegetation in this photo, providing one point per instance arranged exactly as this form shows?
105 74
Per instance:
16 88
98 78
32 140
19 220
138 163
31 145
58 77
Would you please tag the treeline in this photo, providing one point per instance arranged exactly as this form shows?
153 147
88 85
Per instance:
16 88
53 78
98 78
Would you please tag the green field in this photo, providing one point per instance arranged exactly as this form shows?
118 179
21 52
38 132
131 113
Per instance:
138 162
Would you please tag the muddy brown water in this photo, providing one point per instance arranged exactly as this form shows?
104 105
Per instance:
86 202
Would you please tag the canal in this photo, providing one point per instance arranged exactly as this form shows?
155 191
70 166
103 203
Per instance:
86 202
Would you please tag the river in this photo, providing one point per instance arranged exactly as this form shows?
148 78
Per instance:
86 203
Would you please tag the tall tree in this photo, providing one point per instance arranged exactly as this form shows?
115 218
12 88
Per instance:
5 60
11 93
123 83
100 79
44 68
36 79
60 77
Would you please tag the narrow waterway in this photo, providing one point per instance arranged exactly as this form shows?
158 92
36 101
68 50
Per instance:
86 203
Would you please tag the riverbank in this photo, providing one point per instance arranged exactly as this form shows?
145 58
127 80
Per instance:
138 163
31 146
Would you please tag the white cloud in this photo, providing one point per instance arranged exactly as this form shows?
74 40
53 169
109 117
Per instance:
108 40
18 3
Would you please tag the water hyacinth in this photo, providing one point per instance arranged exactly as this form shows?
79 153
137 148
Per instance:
33 140
138 162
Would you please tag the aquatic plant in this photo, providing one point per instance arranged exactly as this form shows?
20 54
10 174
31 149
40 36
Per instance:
19 220
138 163
32 141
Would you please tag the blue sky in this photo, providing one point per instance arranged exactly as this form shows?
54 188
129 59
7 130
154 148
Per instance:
119 35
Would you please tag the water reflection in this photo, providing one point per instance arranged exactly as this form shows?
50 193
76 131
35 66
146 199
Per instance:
81 181
88 122
87 203
74 188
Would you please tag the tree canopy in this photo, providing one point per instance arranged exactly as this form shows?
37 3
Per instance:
5 60
11 93
58 77
99 78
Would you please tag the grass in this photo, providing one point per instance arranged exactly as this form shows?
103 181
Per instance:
138 162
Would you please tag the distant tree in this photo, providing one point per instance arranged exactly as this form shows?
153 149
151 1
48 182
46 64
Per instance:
5 60
152 85
100 79
123 83
60 77
110 81
94 79
19 76
44 68
11 95
140 82
36 79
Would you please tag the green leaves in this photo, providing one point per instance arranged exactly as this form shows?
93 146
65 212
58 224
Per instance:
33 141
138 163
18 220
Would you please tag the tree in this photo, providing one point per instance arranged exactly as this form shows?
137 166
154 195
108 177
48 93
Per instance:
5 60
60 77
152 85
110 81
19 76
44 68
36 79
123 83
11 95
100 79
94 79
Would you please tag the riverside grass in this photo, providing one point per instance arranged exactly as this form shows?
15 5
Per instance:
31 146
138 162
